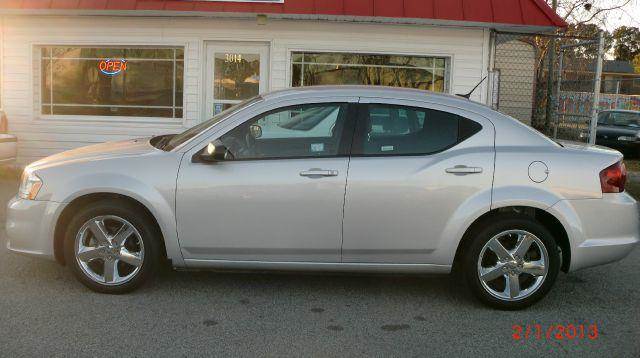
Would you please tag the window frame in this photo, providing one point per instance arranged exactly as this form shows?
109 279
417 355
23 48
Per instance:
36 80
448 57
345 144
357 145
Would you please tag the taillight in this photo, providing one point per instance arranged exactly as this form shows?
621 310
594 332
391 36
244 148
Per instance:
613 178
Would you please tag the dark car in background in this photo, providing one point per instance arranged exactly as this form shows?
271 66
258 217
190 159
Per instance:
619 129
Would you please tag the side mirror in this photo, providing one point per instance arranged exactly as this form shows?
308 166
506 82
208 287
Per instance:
214 152
255 130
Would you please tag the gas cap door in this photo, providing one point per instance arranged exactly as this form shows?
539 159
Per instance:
538 172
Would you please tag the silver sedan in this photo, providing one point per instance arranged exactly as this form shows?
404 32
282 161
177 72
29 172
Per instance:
342 179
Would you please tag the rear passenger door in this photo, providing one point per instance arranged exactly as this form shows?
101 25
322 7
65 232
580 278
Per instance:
415 173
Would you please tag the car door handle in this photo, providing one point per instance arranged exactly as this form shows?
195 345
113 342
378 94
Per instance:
315 173
463 170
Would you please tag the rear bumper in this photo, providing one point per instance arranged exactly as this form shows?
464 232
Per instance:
30 226
600 230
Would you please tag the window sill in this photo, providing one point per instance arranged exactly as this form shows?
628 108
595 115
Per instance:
105 120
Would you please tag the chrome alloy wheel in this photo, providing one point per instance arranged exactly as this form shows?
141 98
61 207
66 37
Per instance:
109 250
513 265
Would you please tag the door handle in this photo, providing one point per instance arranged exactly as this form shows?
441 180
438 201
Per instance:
315 173
463 170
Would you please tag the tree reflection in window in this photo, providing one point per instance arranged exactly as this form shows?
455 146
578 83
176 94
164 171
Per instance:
420 72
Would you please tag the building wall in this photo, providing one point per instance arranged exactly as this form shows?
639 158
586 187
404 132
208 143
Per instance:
39 137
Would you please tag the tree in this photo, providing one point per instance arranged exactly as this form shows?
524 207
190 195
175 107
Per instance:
588 11
627 43
586 18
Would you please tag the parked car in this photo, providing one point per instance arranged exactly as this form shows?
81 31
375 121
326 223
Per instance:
8 142
405 181
619 129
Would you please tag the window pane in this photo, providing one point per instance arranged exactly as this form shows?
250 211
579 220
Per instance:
46 81
296 75
113 111
237 76
315 75
292 132
313 69
179 76
180 54
438 81
147 83
144 82
120 53
364 59
626 119
297 57
397 130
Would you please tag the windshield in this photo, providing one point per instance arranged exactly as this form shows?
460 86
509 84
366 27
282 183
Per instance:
174 141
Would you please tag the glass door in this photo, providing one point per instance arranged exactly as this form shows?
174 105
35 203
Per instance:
234 73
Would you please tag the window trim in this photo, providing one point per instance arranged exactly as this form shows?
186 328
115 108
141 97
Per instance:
357 146
345 145
36 80
448 70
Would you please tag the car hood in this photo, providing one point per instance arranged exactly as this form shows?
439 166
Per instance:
109 150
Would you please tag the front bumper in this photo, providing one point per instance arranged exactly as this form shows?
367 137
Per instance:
30 226
600 230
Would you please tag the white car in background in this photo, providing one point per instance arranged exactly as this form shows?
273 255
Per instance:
347 179
8 143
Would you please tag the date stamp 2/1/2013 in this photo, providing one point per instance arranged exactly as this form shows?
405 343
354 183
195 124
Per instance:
558 332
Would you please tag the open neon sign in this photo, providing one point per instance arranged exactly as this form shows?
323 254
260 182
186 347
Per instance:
111 67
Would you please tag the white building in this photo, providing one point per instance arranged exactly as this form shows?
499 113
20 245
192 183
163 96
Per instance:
78 72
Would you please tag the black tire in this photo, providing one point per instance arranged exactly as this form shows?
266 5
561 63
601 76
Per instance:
142 223
490 229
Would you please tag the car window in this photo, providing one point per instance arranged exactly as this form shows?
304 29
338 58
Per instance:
628 119
175 141
399 130
313 130
603 118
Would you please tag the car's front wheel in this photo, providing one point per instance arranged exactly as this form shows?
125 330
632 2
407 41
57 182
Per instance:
512 262
111 247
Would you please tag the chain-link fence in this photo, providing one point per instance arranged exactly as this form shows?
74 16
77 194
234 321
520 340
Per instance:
556 100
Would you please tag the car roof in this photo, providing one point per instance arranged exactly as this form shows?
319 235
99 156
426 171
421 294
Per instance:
376 92
620 111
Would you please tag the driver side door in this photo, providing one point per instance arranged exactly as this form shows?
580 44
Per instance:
280 197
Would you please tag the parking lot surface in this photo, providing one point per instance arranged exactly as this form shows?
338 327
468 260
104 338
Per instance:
45 312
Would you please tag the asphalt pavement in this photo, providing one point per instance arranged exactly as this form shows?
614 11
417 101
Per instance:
45 312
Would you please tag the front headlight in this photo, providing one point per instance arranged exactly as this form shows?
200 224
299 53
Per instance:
627 139
29 186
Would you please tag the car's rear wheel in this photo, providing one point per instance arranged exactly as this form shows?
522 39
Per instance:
112 247
512 262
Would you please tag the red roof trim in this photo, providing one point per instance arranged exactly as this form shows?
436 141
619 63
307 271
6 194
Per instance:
538 13
551 15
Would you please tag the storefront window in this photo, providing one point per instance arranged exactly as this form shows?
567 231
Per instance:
137 82
313 69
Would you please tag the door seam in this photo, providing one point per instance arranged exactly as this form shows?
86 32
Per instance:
346 180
